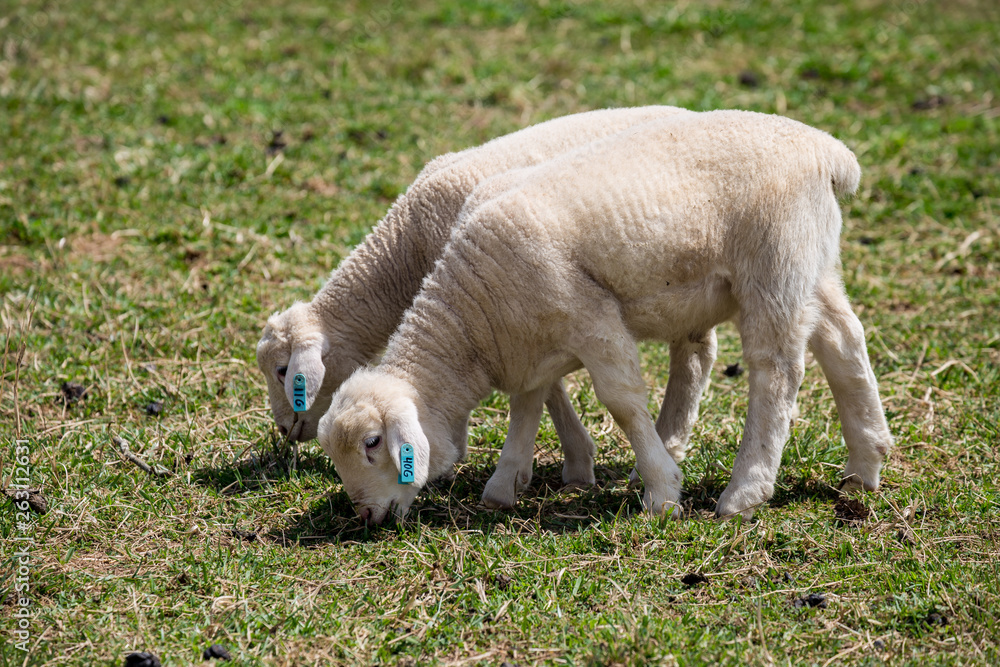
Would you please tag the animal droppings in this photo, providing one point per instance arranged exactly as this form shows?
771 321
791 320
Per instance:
73 392
851 510
141 659
216 652
733 370
811 600
693 579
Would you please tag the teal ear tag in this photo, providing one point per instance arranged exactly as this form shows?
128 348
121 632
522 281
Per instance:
406 464
299 392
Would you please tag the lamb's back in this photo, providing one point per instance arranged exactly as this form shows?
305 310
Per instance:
656 202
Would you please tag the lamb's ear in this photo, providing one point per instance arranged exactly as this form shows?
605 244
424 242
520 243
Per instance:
307 360
403 426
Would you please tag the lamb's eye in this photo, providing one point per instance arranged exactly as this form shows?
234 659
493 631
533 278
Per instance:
373 442
280 372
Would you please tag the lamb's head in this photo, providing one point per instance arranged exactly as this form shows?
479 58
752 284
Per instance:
292 343
372 417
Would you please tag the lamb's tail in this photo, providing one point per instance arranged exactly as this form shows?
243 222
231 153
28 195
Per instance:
845 172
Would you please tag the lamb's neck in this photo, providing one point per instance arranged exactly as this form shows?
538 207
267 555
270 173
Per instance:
432 352
366 296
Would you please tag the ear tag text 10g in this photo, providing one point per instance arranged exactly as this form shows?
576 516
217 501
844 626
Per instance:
299 392
406 464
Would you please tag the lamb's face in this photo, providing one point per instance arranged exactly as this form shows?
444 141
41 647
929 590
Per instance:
288 346
272 360
369 420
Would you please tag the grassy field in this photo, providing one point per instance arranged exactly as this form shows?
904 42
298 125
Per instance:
172 173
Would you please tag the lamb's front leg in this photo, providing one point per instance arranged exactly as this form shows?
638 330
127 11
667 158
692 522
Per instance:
577 446
775 355
618 384
513 473
691 362
460 436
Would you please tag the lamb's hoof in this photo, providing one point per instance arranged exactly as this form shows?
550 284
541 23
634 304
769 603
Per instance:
634 480
723 515
578 475
499 502
677 453
742 501
853 485
860 477
665 507
502 490
677 450
499 496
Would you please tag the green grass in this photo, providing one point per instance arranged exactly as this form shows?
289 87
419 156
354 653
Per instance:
150 220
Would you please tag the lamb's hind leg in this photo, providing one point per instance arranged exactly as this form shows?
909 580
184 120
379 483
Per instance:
774 350
838 344
577 446
513 473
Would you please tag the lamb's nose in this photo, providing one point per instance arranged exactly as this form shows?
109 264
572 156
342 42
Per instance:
366 514
282 430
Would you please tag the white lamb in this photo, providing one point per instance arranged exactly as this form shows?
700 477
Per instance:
349 321
658 233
